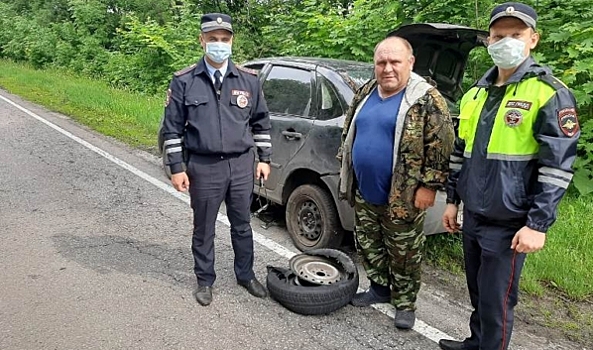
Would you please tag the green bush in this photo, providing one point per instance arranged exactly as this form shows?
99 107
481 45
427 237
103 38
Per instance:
17 32
567 47
583 177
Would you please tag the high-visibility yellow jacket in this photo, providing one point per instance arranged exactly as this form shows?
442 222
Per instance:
516 145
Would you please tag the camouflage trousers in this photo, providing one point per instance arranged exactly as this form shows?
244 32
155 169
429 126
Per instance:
390 250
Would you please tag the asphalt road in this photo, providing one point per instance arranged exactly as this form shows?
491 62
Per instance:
95 254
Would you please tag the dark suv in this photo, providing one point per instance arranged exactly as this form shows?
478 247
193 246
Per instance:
308 98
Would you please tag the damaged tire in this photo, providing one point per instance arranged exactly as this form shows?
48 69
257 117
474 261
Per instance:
304 297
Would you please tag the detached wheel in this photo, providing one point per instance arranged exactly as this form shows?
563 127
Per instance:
312 219
306 298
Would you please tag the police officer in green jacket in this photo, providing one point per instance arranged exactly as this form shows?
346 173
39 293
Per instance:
511 165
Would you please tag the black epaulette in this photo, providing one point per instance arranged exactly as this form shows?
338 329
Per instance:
552 81
248 70
185 70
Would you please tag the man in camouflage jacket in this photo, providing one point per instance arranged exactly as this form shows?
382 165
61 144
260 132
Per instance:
412 164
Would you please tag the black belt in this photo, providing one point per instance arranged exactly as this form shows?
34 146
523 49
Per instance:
219 155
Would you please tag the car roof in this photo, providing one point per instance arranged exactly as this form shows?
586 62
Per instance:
443 26
330 63
353 73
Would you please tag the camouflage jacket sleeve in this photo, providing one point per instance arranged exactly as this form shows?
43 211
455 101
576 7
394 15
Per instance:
439 137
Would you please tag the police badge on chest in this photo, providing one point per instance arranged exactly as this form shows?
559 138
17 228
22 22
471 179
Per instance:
513 118
242 98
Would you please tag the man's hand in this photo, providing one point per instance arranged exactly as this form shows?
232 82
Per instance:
180 181
263 170
527 240
450 219
424 198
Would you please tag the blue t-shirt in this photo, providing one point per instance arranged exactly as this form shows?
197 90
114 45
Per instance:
372 152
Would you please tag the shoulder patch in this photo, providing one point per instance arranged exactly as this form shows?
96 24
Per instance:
552 81
568 121
248 70
185 70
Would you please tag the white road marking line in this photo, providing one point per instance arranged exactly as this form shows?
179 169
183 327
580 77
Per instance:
420 327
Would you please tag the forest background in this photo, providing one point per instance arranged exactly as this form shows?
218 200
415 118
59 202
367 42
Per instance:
136 44
133 47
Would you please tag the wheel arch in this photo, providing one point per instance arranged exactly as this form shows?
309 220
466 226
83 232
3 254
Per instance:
300 177
303 176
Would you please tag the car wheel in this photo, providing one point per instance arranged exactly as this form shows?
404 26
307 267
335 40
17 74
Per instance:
312 219
306 298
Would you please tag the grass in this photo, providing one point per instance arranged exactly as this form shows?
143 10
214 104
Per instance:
445 251
565 266
566 262
128 117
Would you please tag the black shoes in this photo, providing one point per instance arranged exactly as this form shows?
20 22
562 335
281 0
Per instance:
203 295
446 344
405 319
368 298
254 288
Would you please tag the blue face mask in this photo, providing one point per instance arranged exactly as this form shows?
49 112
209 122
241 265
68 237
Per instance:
218 51
507 53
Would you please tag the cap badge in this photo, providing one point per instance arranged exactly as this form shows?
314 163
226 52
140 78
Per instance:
510 10
219 20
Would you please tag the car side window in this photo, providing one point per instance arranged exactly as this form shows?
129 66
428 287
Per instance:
329 106
288 91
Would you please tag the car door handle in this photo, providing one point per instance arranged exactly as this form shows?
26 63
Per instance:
292 135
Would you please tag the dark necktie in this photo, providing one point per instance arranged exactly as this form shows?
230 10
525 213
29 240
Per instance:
217 82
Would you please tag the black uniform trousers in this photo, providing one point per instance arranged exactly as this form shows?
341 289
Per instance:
212 180
492 271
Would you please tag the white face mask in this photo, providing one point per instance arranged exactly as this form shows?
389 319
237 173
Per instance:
218 51
507 53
